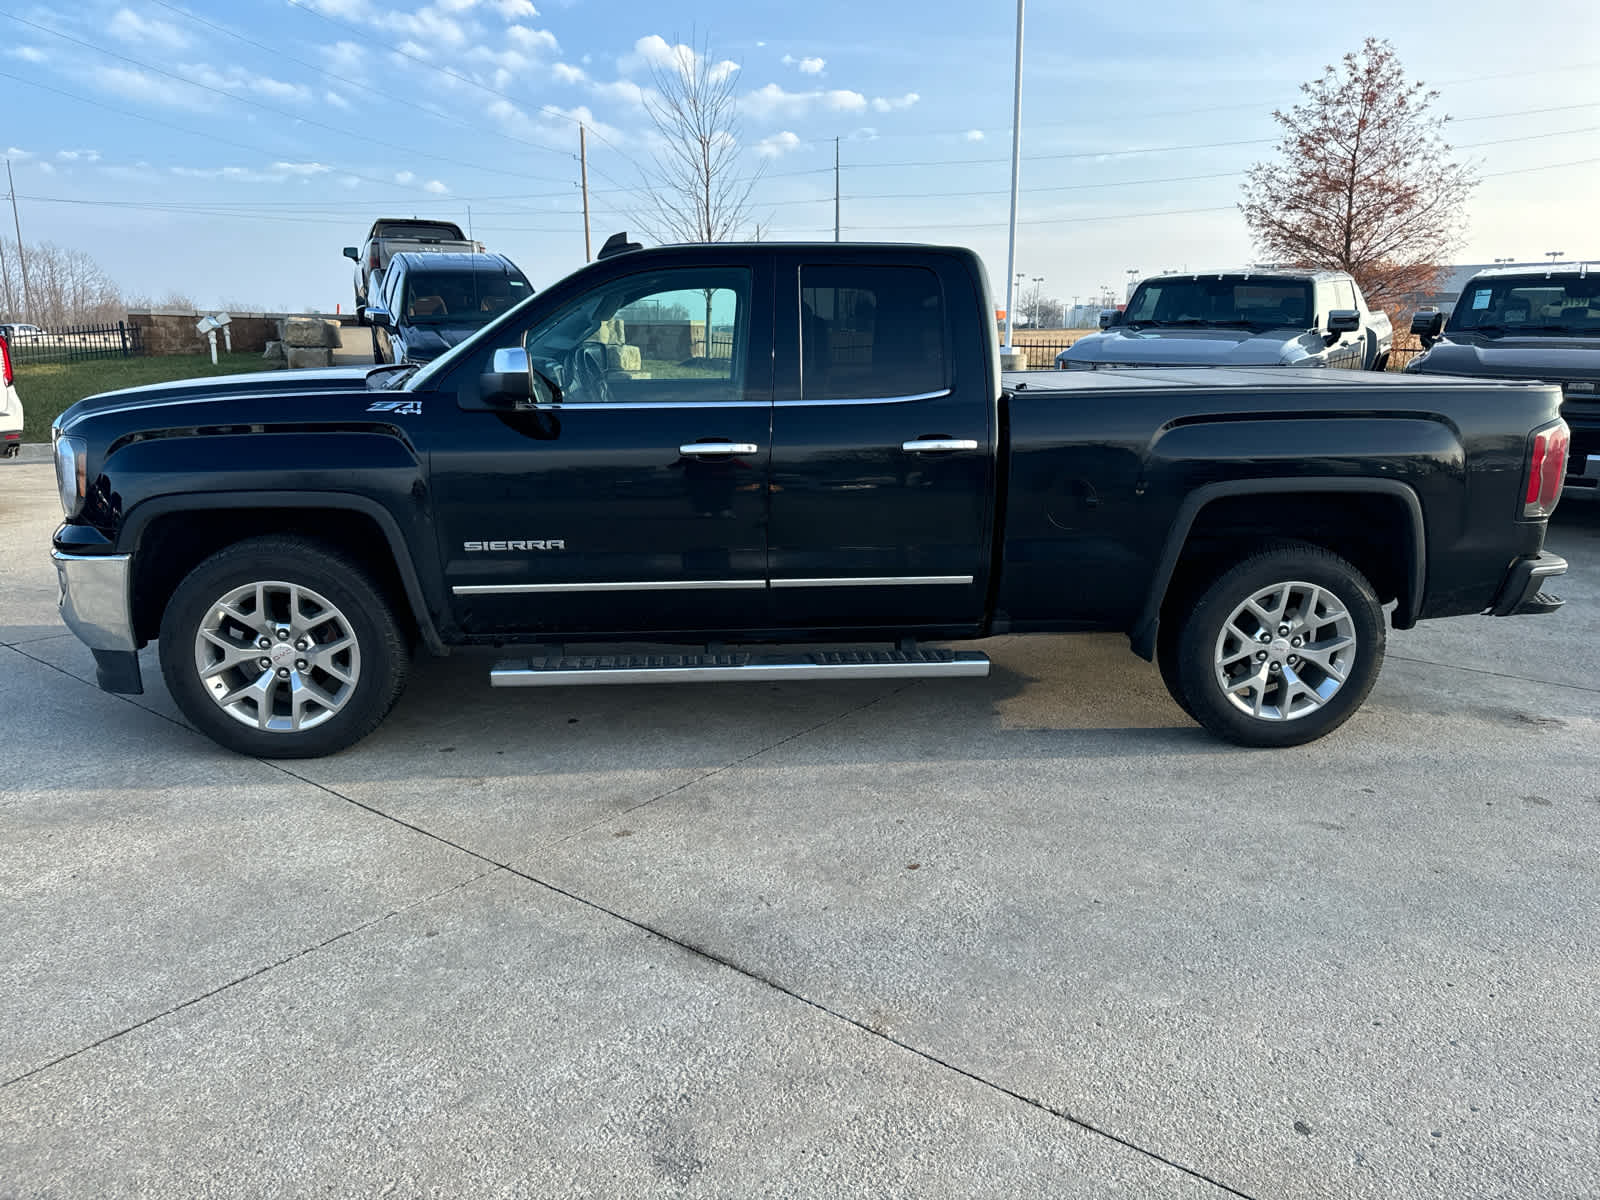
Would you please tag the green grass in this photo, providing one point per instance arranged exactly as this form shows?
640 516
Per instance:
48 389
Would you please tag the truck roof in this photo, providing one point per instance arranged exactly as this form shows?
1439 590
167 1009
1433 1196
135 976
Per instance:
450 225
455 260
1572 270
1251 272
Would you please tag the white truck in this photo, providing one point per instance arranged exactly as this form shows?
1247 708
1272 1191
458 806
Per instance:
395 235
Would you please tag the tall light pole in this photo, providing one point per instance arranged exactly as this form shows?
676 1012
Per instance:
1505 260
1033 311
1016 177
1552 255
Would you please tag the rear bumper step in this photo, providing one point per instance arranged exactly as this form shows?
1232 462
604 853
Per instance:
567 670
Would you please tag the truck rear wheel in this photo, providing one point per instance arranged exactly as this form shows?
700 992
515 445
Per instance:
281 648
1281 649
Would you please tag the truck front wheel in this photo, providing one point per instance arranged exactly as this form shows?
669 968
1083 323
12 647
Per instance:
1281 649
280 647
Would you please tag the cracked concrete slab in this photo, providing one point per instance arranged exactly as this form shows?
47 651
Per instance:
501 1040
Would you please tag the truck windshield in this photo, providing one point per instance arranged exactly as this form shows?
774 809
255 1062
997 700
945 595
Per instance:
1550 306
459 297
425 232
1223 301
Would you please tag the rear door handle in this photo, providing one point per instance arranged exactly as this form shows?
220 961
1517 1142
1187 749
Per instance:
717 449
935 445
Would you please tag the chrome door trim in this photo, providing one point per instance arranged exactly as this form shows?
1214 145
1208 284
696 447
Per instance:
665 585
637 405
934 445
938 395
877 581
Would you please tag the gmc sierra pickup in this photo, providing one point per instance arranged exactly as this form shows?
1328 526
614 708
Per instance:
737 452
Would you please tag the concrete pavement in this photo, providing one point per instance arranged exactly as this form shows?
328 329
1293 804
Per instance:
1032 935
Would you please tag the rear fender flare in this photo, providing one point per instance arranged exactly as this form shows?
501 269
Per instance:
1143 635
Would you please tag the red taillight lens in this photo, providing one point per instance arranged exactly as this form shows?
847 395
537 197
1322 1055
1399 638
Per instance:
5 358
1547 470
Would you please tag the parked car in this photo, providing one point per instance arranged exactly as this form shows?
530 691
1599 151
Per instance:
10 405
430 302
846 465
390 236
20 331
1513 323
1240 318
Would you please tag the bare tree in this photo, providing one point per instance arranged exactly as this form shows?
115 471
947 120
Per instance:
1363 181
693 189
67 287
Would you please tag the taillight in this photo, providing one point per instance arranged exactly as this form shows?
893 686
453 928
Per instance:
5 358
372 263
1547 469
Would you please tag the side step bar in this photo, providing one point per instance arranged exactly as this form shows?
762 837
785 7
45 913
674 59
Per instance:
564 670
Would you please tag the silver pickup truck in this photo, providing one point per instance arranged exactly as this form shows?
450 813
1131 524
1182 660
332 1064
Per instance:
1258 317
390 236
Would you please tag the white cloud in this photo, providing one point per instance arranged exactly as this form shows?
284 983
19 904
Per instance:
18 154
567 73
48 168
974 135
235 80
129 26
344 58
434 186
513 10
533 40
624 91
349 182
335 99
550 121
28 54
405 176
413 49
133 84
89 156
778 144
806 66
654 52
773 100
303 169
881 104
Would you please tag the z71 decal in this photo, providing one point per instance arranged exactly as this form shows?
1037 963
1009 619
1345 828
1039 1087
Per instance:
401 408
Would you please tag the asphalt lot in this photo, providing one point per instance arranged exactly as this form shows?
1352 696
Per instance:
1035 935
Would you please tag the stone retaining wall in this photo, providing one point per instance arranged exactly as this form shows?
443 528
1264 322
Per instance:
167 331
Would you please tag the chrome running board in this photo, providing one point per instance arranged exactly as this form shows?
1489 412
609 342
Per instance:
569 669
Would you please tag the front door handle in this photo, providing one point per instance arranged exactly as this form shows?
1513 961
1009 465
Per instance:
936 445
717 449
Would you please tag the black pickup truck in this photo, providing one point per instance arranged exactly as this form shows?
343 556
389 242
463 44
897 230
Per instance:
747 456
1522 323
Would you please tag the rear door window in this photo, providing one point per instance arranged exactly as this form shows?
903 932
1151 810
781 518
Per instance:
871 333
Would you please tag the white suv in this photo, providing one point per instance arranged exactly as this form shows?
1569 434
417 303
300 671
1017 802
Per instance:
10 407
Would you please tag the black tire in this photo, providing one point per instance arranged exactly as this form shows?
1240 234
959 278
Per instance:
1167 662
382 666
1200 640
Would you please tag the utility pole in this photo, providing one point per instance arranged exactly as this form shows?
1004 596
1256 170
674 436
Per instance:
1016 177
583 167
836 189
5 281
22 254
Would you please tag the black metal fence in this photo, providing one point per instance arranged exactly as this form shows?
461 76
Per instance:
75 343
1042 355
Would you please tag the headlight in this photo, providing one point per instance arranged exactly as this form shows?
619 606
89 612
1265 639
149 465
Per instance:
72 473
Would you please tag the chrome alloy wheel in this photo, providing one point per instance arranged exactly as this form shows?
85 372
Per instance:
1285 651
277 656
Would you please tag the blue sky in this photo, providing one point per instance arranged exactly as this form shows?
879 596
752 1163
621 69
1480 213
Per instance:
229 150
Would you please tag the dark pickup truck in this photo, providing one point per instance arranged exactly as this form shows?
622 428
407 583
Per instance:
748 456
1517 323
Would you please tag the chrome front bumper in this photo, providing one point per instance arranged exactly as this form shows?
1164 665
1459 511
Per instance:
95 602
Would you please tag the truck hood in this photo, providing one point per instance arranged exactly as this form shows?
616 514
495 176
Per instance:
1557 359
220 390
1186 347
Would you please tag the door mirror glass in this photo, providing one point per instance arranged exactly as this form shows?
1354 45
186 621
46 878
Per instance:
352 253
508 381
1427 323
1108 317
380 317
1344 320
